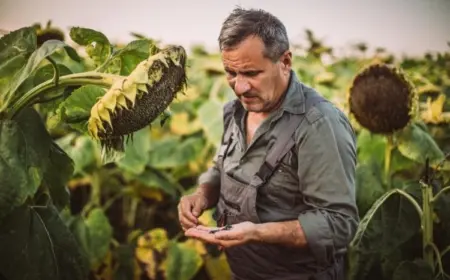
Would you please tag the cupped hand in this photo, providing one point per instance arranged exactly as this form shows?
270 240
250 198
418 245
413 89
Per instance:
238 234
190 208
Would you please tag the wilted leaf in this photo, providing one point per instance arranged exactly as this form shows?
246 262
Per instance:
417 145
97 44
217 267
181 125
37 245
24 152
151 250
433 113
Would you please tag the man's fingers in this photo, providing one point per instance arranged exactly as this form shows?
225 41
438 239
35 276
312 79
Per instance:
198 207
201 235
205 228
185 214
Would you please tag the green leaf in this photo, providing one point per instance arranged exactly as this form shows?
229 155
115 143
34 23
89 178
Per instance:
58 173
82 150
369 185
24 153
170 153
136 152
100 235
413 270
15 49
153 178
389 224
417 145
37 245
211 120
97 44
92 234
125 255
47 49
42 75
183 262
370 147
442 211
76 109
132 54
163 153
47 72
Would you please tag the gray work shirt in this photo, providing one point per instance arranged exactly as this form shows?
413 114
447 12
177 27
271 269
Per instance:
315 181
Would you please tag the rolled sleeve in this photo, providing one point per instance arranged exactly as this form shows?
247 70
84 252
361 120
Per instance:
327 152
210 177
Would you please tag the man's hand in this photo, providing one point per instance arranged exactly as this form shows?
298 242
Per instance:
288 233
190 208
238 234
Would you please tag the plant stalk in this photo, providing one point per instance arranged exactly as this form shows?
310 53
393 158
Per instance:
427 224
387 158
78 79
96 192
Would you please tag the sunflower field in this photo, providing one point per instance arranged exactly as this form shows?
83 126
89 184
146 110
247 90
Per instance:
93 165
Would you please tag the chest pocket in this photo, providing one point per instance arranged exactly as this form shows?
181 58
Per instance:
282 188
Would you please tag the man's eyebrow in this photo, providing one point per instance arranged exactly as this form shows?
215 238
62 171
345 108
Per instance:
246 71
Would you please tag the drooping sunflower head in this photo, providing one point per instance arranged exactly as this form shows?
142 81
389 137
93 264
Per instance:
136 101
382 99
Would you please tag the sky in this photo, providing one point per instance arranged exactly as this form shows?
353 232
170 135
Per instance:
401 26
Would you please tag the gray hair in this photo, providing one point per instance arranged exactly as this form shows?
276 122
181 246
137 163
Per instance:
242 23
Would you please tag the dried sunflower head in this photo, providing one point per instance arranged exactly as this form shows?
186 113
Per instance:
136 101
381 99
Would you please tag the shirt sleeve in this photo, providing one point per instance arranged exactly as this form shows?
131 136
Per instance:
328 151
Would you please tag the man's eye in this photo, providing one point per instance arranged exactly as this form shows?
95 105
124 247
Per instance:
230 73
251 73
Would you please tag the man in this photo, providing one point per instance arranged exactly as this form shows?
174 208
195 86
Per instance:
283 177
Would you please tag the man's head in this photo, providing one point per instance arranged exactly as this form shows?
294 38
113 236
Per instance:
256 58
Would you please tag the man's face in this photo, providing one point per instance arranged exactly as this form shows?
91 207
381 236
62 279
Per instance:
256 80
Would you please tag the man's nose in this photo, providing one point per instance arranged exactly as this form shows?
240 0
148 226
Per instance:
241 85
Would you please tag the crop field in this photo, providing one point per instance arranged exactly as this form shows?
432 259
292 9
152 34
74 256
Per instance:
94 156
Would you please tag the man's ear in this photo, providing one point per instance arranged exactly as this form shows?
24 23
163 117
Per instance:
286 61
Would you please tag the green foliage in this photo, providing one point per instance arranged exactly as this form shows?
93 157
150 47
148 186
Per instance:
69 211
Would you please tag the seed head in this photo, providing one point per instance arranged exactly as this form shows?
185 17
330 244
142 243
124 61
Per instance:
381 99
136 101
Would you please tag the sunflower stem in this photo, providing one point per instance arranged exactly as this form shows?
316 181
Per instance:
78 79
387 158
427 223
